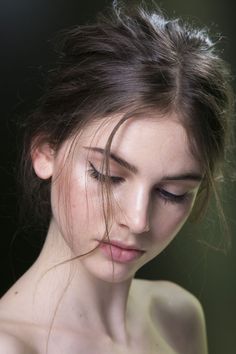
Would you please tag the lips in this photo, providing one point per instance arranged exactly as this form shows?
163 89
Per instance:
120 252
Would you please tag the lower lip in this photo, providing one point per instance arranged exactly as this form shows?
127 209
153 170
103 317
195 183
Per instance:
119 254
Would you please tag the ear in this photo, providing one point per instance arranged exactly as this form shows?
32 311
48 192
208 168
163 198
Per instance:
43 160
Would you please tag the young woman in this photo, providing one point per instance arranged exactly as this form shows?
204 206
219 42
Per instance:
126 143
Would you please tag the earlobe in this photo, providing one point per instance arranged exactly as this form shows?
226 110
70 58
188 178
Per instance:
43 160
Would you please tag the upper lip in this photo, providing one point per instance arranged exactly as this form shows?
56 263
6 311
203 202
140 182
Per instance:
121 245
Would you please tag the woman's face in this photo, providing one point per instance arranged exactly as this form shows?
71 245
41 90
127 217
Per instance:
154 181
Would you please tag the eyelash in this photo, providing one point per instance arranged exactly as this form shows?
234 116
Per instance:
101 177
166 196
172 198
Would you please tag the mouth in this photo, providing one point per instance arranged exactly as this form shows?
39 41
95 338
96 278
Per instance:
119 252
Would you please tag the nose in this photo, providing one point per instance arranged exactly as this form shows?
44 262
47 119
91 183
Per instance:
135 211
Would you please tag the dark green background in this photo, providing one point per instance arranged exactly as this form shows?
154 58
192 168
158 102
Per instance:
26 52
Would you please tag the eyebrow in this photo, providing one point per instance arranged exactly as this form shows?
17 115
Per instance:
184 176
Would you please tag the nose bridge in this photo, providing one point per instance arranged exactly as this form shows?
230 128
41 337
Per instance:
137 209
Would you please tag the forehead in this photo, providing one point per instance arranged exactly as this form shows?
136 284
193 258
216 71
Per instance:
160 139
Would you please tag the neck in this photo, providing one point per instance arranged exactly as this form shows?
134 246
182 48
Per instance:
76 297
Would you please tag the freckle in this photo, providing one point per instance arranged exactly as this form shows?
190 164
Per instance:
16 292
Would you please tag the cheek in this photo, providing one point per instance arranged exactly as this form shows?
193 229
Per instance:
169 221
85 198
83 204
77 211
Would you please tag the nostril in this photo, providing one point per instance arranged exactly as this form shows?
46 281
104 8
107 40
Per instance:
147 228
135 225
139 225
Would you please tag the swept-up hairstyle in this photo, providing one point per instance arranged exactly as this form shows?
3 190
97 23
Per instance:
132 61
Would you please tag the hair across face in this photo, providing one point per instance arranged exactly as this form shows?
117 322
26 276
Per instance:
153 182
131 63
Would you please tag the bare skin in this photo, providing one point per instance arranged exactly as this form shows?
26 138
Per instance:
93 304
161 318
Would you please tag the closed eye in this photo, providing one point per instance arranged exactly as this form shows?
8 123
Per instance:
164 194
94 173
171 197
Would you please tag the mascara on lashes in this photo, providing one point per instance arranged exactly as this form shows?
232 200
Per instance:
164 194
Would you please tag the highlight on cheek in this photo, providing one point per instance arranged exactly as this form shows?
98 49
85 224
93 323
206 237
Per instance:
133 112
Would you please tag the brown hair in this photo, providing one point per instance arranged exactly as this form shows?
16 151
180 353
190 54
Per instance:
131 61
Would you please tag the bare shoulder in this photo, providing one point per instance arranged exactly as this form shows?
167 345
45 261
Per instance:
10 344
178 314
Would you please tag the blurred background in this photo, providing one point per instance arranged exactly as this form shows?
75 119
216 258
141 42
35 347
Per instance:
195 259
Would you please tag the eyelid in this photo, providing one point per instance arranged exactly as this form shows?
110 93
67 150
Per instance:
166 192
169 197
95 169
101 177
180 187
188 185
